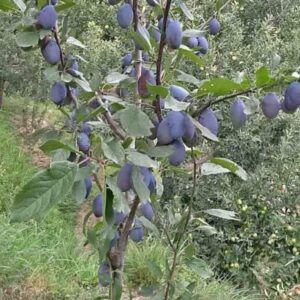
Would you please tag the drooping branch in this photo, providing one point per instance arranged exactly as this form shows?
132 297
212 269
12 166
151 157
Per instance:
160 57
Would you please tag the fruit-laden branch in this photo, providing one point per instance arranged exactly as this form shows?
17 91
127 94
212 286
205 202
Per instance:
160 56
228 97
62 61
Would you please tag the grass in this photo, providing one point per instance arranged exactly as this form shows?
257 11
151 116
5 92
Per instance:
42 257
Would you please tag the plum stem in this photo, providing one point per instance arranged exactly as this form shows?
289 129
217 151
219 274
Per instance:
160 57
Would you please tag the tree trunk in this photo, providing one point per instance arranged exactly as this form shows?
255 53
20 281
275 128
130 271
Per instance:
2 81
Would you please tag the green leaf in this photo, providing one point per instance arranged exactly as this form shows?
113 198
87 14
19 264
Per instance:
51 74
154 268
6 5
117 288
262 76
108 207
142 160
141 38
172 103
200 267
27 38
193 33
92 237
52 145
221 213
161 151
43 191
188 53
72 41
66 4
208 230
85 172
158 90
114 151
212 169
79 191
231 166
84 84
120 201
135 122
115 77
186 11
205 132
139 185
20 4
220 87
149 225
187 78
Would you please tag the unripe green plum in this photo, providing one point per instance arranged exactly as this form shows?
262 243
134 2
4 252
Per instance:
174 34
97 206
209 120
238 116
292 96
270 105
203 44
51 52
179 153
58 92
47 17
104 274
214 26
125 15
147 77
179 93
124 178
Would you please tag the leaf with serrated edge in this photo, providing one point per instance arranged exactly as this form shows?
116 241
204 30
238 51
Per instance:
43 191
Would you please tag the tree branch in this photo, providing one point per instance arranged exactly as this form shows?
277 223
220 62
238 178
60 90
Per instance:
160 56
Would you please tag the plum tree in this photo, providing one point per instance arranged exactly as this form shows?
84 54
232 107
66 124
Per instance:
104 274
203 44
237 113
125 15
97 206
270 105
124 178
147 77
83 142
88 186
209 120
174 34
58 92
47 17
179 93
51 52
192 42
137 232
147 211
179 153
292 96
214 26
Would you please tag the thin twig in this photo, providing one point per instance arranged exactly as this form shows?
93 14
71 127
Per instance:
160 56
